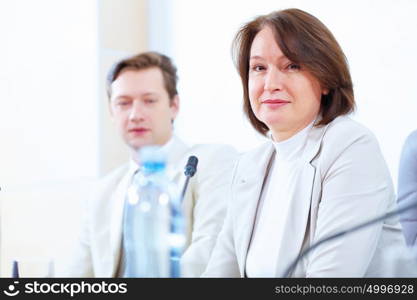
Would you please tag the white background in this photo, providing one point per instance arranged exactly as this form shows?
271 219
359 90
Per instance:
49 134
48 92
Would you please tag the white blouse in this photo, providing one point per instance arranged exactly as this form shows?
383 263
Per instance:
271 218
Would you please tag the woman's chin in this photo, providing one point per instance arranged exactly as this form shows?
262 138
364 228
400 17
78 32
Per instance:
276 122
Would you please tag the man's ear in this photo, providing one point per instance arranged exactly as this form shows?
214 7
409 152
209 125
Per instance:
110 108
175 106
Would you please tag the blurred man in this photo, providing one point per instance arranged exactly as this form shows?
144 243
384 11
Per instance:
144 103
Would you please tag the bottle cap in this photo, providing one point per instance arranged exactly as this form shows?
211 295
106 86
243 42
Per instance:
152 158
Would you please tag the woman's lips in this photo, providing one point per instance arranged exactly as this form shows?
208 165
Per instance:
275 103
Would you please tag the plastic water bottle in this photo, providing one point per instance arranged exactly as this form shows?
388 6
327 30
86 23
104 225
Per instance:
154 223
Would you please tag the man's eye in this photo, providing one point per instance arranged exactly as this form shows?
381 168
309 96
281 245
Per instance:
150 100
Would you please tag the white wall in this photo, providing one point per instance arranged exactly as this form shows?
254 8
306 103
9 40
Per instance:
123 31
379 39
48 123
48 79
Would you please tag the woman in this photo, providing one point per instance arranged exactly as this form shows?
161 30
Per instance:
320 173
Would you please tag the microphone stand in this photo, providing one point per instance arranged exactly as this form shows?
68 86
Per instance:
398 211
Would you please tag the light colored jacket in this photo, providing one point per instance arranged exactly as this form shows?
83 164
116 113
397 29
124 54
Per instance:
407 189
344 181
204 207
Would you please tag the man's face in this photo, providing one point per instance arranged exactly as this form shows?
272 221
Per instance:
141 108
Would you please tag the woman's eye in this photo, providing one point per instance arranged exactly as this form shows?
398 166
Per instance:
258 68
293 66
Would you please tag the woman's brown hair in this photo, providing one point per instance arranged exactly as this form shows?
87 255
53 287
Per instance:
304 40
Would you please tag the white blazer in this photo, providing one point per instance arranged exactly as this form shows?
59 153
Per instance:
344 181
204 206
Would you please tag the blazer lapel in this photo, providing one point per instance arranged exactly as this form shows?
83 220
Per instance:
116 223
249 188
300 206
297 220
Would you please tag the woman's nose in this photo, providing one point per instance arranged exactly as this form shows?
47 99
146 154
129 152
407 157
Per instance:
274 80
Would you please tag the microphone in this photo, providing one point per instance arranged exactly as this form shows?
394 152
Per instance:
191 166
15 270
189 171
390 214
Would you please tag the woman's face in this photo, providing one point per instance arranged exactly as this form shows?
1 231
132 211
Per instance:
282 94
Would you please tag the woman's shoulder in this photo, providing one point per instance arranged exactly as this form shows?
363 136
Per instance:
345 131
349 127
254 158
345 136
